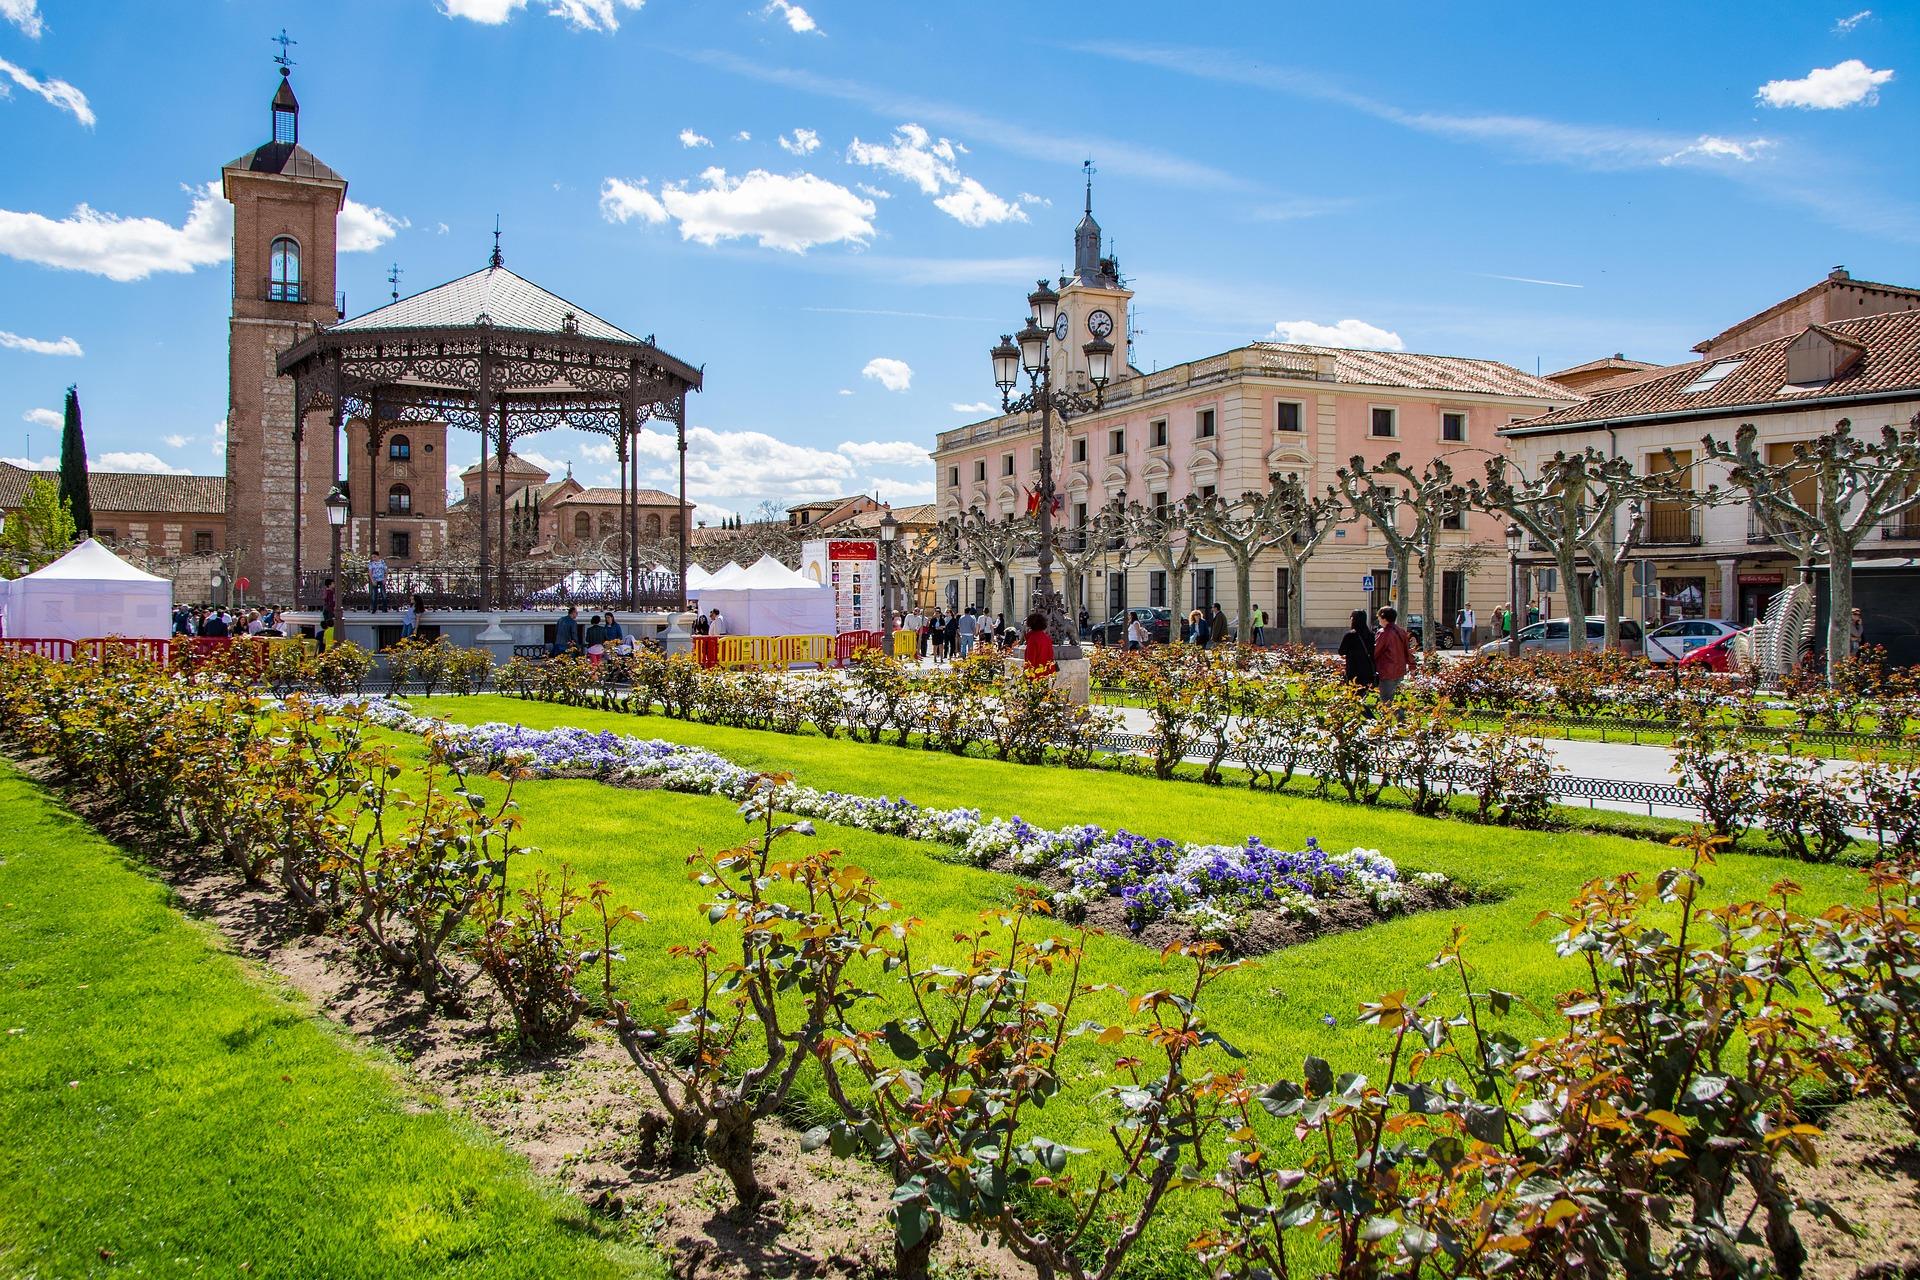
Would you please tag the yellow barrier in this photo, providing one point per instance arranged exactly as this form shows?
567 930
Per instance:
906 644
774 651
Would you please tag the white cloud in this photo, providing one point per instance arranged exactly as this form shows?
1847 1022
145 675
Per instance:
1708 147
1027 197
878 193
43 418
365 227
48 463
803 142
793 213
119 248
40 346
176 441
24 14
978 406
798 19
58 92
582 15
220 438
846 391
743 136
441 228
1845 26
136 461
886 453
894 375
740 468
893 491
688 138
1847 84
931 164
1347 333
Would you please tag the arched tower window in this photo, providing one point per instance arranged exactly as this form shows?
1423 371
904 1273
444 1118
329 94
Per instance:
582 525
399 448
283 280
399 500
653 525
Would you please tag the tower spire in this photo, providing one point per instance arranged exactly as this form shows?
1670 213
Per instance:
1090 171
497 260
286 107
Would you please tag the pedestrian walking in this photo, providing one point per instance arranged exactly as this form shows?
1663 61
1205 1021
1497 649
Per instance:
1469 623
1356 648
1393 656
377 583
1136 634
1219 628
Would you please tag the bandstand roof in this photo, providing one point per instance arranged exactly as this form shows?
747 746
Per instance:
510 301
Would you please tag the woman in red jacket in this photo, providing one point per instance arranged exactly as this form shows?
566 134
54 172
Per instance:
1039 646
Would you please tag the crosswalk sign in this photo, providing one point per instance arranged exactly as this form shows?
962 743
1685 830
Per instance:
1366 583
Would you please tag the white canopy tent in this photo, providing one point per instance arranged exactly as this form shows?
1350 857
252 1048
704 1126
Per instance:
87 594
769 599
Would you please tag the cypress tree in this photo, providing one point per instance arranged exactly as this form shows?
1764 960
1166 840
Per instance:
73 468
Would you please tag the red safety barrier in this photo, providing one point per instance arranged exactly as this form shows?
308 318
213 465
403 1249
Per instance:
848 643
706 650
46 647
152 650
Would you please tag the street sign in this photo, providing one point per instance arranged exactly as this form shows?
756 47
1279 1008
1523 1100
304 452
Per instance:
1366 583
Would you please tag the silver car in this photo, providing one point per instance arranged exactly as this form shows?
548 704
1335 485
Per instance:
1552 636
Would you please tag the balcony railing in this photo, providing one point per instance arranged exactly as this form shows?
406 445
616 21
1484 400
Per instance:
1672 524
1905 528
1757 532
286 291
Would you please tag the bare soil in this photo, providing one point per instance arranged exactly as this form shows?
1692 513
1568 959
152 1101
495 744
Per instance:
1869 1170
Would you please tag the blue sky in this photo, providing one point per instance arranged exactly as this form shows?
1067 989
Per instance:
837 206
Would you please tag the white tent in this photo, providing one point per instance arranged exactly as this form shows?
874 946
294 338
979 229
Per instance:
722 577
86 594
696 578
769 599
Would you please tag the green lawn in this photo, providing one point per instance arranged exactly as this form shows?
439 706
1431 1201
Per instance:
168 1112
1275 1007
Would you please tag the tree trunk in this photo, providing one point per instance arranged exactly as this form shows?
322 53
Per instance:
1402 566
1569 566
1839 608
1243 589
915 1262
1429 580
730 1147
1613 591
1296 611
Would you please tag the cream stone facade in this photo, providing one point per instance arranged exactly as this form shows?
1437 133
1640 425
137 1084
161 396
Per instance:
1225 424
1715 560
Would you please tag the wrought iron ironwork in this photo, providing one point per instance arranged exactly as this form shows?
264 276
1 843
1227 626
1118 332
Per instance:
505 385
525 587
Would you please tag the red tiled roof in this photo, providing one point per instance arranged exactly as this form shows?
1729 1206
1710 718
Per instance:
1889 365
611 498
133 492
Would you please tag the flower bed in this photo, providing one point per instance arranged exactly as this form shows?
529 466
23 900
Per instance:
1205 890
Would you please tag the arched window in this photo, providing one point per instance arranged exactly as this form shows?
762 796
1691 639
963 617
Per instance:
606 525
653 525
676 524
283 282
399 500
399 448
582 525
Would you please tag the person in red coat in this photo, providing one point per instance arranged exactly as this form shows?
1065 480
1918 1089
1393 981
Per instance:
1039 646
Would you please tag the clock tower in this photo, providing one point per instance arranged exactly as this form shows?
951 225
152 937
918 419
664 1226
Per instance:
286 204
1093 302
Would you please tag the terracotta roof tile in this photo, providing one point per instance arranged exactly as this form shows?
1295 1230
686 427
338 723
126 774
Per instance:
131 491
1889 363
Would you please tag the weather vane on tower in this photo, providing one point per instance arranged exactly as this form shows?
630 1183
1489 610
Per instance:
283 61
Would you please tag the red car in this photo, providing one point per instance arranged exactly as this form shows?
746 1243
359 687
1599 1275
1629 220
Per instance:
1717 656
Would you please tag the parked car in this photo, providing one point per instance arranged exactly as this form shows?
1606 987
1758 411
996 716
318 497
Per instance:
1417 627
1675 640
1552 635
1114 629
1719 654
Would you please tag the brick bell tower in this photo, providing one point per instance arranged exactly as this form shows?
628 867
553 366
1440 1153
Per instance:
285 206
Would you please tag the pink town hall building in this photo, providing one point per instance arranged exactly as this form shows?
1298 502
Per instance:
1224 423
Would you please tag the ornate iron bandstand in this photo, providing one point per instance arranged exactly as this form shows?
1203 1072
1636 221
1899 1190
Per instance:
497 355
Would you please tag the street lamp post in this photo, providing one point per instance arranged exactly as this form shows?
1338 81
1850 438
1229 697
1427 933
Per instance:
1514 615
889 530
1043 397
337 505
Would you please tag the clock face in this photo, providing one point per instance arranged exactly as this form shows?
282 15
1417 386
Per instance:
1060 326
1099 324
